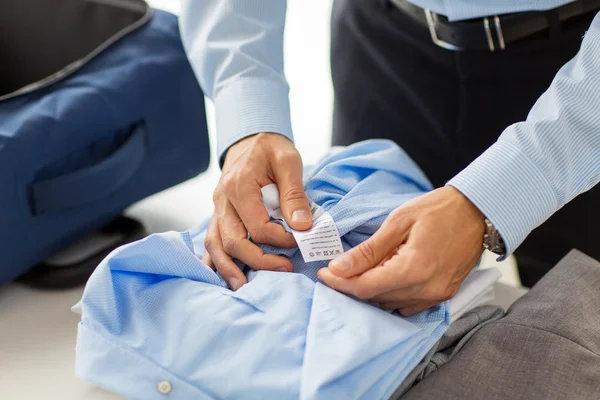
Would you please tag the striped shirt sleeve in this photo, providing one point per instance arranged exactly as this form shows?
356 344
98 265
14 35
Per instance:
236 50
539 165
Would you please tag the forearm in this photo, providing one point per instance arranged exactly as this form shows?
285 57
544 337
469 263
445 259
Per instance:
236 50
539 165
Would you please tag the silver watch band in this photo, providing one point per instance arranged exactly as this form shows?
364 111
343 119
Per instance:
492 240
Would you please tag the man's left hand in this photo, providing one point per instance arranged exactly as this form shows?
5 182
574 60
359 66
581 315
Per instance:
418 258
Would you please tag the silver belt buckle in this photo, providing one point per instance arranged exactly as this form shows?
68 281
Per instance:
432 19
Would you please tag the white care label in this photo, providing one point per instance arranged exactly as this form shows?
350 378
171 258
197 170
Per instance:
321 242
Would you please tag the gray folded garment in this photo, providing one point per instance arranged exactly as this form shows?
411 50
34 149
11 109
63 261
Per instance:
453 340
546 347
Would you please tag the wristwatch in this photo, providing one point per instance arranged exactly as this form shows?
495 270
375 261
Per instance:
492 240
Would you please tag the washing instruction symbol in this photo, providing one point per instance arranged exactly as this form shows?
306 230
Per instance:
311 254
338 252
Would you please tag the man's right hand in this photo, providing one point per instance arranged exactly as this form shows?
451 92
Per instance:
250 164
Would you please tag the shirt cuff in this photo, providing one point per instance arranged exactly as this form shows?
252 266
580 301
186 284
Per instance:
510 190
249 106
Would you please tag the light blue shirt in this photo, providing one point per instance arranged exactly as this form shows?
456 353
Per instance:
457 10
535 168
153 313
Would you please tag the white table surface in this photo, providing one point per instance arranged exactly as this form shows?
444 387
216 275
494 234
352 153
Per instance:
38 330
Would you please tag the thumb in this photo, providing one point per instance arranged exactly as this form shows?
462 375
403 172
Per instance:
293 200
370 253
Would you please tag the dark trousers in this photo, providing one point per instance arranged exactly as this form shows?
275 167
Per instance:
445 108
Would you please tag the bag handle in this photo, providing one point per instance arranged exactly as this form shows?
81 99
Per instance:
93 183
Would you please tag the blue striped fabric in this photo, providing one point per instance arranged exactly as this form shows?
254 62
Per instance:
154 312
236 49
539 165
457 10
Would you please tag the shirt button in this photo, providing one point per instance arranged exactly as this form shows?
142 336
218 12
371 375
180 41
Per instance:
164 387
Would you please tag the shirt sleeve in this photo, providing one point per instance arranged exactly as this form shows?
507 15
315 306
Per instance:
539 165
236 50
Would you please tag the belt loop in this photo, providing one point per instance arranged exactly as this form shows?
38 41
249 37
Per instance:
499 32
554 25
488 34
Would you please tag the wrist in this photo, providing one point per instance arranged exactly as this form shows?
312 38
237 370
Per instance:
473 215
510 189
266 140
491 238
248 106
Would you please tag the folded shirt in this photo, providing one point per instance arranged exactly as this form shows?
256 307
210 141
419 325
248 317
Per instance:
158 322
475 291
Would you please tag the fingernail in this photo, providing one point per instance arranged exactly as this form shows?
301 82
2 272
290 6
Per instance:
233 283
342 263
300 216
320 273
281 269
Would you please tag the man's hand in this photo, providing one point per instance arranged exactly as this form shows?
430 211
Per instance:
250 164
418 258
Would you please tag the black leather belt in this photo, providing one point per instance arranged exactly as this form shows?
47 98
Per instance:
493 32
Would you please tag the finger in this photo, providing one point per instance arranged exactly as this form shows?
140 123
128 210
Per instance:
397 305
254 257
373 251
395 274
293 200
208 261
247 202
235 243
358 286
222 262
404 295
411 310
